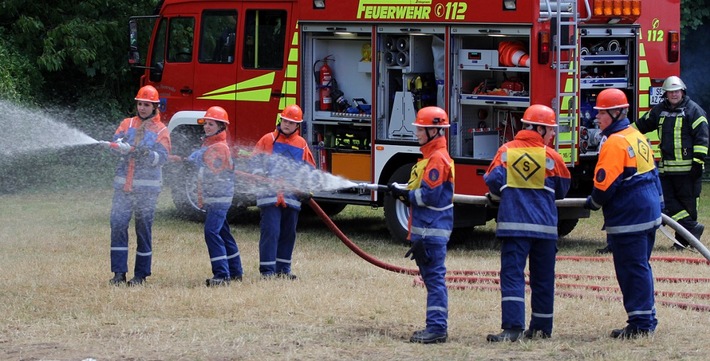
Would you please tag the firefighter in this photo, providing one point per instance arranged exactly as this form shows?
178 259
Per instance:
280 209
215 171
429 195
628 189
524 180
682 128
143 143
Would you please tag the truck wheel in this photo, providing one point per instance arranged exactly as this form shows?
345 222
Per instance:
396 213
184 193
565 226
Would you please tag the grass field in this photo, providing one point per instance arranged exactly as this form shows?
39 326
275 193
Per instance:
56 304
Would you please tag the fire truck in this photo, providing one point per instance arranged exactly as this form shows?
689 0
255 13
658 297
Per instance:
361 69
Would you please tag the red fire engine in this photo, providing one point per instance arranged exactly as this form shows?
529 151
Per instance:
361 69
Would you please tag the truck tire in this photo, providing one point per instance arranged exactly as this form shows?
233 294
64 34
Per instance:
565 226
184 194
396 213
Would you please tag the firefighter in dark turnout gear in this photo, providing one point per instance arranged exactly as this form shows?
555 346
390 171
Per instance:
430 195
682 128
525 178
627 188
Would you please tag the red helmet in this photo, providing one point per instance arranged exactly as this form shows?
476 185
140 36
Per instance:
611 99
148 94
292 113
539 114
432 117
215 113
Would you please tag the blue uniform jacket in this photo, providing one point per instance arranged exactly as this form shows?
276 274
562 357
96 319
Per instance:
528 177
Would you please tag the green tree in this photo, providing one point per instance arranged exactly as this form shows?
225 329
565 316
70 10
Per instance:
78 48
693 13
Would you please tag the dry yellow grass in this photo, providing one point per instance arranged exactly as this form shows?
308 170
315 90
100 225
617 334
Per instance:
56 304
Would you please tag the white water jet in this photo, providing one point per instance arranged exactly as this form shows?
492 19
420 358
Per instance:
28 130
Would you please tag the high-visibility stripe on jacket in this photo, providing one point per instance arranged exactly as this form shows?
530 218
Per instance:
215 171
291 148
682 131
142 174
432 193
626 181
528 177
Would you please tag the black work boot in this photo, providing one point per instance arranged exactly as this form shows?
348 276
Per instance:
426 337
214 282
136 281
289 276
507 335
237 278
697 231
531 333
118 279
629 332
604 250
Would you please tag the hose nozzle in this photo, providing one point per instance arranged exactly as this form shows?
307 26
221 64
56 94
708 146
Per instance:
371 187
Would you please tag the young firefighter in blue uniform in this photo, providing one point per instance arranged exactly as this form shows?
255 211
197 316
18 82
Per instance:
526 177
215 177
144 144
627 188
279 210
430 194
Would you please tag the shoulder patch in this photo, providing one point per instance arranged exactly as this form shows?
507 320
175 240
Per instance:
434 175
601 175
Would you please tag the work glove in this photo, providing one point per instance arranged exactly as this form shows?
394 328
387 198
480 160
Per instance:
589 204
141 152
305 197
492 200
696 170
123 147
399 193
417 252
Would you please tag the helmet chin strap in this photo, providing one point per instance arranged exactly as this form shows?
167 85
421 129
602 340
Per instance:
221 129
430 137
152 114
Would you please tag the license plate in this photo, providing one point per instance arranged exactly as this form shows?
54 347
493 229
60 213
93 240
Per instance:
655 95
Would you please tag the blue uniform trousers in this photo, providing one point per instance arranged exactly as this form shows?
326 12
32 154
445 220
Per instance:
124 206
632 252
278 238
221 246
434 277
514 254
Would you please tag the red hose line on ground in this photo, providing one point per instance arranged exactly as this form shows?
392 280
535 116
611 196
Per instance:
568 294
653 258
471 281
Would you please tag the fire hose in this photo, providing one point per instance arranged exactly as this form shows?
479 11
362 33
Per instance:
473 282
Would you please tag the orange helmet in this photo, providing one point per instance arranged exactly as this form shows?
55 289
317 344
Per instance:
431 117
148 94
218 114
611 99
539 114
292 113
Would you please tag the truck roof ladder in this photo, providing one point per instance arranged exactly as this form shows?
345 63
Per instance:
565 17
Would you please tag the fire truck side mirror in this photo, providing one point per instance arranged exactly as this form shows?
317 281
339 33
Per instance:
156 72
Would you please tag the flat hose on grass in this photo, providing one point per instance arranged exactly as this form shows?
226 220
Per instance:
472 279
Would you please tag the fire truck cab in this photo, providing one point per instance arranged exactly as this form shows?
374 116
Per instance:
361 69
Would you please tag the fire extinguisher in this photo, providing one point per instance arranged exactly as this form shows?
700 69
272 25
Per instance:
325 76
